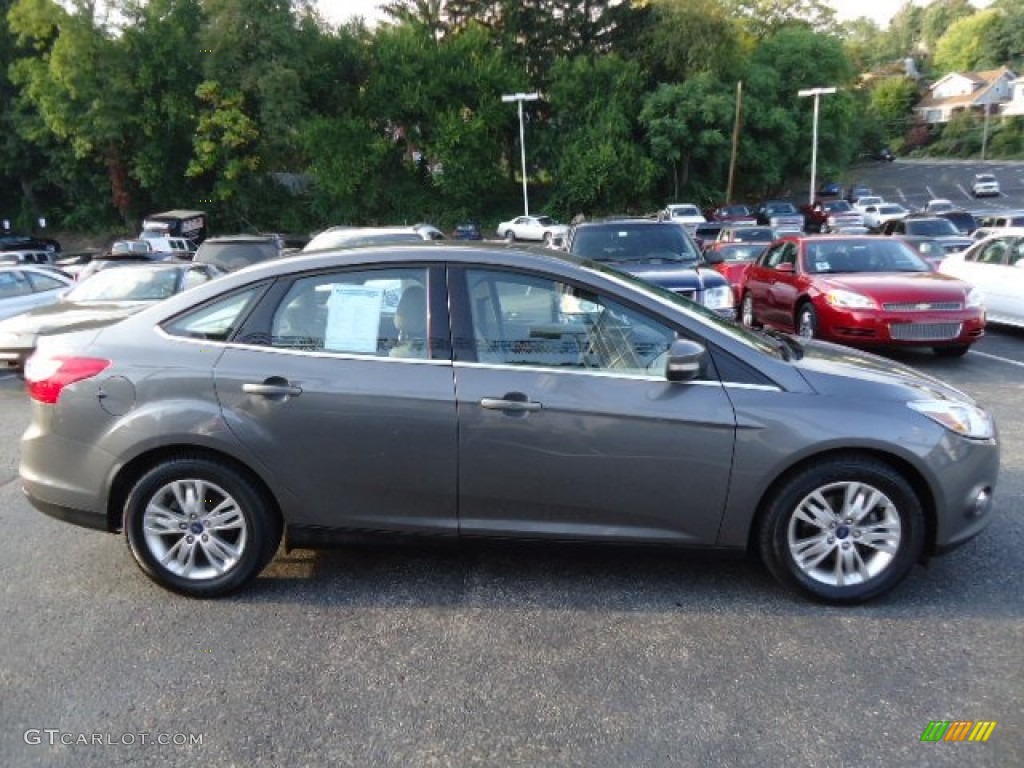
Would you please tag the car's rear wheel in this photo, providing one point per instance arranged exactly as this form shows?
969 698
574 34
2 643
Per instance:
843 530
199 527
747 312
957 350
547 239
806 321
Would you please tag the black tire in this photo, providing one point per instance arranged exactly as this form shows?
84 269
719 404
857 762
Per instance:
806 323
510 236
880 547
958 350
245 526
547 239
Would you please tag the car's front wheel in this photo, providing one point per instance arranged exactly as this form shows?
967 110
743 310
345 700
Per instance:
843 530
199 527
807 321
510 236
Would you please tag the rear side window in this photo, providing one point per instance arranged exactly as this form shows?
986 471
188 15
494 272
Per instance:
216 321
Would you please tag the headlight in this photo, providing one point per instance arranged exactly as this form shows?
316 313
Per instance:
962 418
975 298
849 300
718 298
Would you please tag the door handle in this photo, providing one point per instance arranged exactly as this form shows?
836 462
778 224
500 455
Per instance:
272 390
497 404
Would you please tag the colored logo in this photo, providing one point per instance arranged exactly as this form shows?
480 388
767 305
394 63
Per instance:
958 730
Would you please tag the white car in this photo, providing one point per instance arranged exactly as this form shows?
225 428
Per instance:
26 286
538 228
864 202
939 205
687 214
985 185
995 266
876 215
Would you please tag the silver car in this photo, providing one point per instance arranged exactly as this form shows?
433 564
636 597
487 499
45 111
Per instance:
490 392
27 286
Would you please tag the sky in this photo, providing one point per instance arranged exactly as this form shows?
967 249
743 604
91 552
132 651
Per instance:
879 11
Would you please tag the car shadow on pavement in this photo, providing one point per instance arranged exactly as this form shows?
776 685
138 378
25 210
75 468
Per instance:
606 580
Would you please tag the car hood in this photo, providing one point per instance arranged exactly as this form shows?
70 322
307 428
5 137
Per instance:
837 370
674 276
69 316
901 287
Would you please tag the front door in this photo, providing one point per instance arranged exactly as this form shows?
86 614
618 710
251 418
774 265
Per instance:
567 425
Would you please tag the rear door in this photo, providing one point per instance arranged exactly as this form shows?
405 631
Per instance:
364 437
567 426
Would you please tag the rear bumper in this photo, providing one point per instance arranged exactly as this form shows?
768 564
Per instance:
80 517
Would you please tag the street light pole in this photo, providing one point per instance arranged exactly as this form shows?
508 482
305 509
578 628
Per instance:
519 98
817 93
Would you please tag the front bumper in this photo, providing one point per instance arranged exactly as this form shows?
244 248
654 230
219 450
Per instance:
900 329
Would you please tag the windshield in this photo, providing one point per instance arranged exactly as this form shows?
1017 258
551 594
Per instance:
891 209
863 255
629 241
774 208
838 206
127 284
685 210
741 252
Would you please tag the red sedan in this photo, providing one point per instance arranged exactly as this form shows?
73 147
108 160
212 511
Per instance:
862 291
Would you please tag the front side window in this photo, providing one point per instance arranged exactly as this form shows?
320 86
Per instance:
528 320
368 312
993 253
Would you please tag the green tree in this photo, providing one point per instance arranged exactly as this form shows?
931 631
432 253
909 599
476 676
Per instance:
689 128
938 16
766 17
80 81
599 162
892 105
966 44
777 126
686 37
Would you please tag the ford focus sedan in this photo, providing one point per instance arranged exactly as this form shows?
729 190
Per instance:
861 291
478 392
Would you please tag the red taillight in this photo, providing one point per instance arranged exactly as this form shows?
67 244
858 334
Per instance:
46 377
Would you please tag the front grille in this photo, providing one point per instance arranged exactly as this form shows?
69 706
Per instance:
925 331
924 306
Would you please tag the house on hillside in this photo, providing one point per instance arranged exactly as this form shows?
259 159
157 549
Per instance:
1015 106
962 91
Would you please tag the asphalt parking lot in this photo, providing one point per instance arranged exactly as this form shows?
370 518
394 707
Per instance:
511 657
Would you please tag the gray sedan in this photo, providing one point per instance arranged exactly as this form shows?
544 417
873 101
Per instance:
488 392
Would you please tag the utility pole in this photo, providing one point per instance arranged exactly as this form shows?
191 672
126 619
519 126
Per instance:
735 141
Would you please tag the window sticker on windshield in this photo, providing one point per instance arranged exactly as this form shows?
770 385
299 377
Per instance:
353 318
822 266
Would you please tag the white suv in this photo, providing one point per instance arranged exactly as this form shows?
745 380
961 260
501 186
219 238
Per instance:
985 184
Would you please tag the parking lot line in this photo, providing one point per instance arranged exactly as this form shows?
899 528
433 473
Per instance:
997 358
